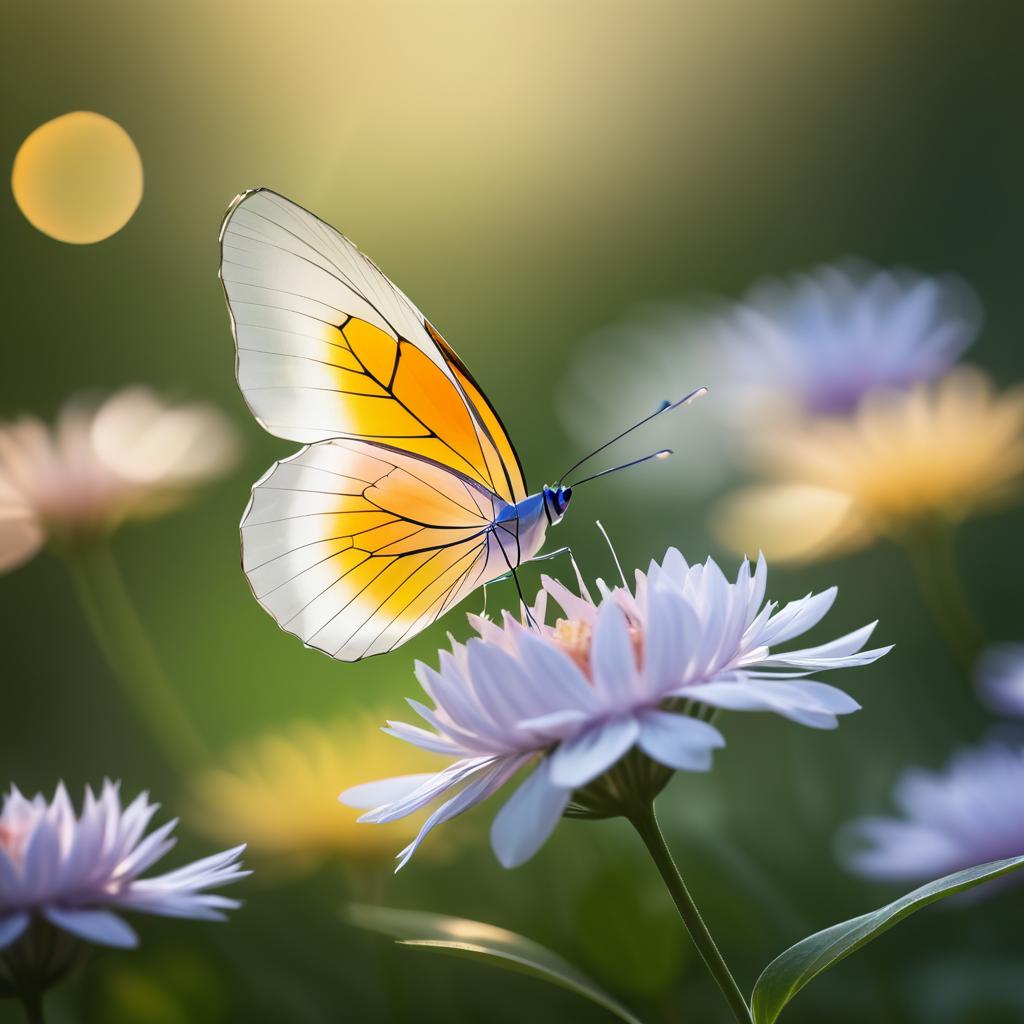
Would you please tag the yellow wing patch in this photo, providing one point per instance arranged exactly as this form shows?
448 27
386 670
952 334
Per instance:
354 549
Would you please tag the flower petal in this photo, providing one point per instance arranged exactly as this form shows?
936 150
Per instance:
807 702
523 825
577 608
577 761
94 925
612 662
11 927
384 791
845 652
893 850
566 683
796 617
474 793
422 738
432 787
678 741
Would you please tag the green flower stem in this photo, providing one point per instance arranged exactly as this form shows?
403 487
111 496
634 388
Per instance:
647 826
122 639
930 547
33 1006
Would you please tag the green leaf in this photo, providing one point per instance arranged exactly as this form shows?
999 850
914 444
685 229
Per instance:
479 941
788 973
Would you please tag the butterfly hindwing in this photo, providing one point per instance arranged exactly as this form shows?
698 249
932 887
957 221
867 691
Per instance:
333 553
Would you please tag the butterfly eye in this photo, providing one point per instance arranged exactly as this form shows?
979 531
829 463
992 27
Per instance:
562 499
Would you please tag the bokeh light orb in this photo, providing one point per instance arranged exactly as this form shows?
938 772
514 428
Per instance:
78 178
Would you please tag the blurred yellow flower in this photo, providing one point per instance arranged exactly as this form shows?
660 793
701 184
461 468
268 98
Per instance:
938 453
130 456
280 792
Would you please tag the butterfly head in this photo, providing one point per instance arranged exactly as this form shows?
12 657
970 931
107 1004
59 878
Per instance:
556 501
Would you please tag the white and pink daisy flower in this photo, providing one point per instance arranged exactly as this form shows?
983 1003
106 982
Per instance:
79 872
570 700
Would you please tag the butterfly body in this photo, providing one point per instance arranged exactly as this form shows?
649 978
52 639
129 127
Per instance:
521 528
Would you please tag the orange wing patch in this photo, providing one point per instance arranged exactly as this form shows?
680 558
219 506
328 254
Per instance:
502 458
428 414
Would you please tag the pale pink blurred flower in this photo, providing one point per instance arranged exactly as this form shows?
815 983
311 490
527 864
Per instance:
129 457
79 872
570 700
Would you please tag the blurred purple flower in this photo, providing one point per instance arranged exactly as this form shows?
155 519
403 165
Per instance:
572 699
812 344
77 871
999 675
824 339
970 813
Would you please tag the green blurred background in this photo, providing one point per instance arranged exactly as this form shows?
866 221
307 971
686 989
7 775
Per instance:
528 172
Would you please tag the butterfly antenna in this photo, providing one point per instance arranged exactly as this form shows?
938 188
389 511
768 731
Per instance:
611 548
664 407
663 454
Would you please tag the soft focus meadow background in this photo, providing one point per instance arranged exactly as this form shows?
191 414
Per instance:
529 173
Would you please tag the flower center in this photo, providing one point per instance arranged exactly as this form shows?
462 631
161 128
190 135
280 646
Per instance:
574 636
12 841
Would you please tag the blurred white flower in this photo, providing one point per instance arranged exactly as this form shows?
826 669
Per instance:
131 456
970 813
809 345
77 873
574 698
999 676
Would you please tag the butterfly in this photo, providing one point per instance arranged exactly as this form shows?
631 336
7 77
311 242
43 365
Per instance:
408 494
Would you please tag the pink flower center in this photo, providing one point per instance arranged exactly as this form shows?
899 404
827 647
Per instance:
12 841
575 636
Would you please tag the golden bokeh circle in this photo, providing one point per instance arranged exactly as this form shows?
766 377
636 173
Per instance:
78 178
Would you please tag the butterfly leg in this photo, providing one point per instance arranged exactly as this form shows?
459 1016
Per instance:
552 554
515 576
526 608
